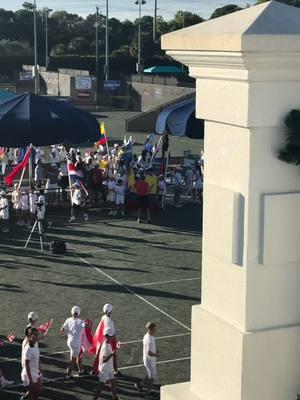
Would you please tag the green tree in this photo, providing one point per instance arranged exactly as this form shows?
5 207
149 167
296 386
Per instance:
79 45
184 19
228 9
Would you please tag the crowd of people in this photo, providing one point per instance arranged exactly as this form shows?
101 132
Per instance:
103 345
122 179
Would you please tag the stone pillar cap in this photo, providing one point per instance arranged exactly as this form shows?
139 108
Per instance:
267 27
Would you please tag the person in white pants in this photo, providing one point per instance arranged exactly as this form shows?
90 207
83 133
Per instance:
106 368
31 368
74 327
150 355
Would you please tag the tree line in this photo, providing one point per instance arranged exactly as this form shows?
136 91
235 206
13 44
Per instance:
70 34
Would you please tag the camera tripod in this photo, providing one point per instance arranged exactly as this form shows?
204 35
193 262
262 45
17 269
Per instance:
37 225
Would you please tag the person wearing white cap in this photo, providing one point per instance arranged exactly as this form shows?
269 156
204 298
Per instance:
4 212
74 327
106 372
109 324
31 370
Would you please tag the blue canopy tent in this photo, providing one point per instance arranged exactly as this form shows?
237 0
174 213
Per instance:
179 120
43 121
164 70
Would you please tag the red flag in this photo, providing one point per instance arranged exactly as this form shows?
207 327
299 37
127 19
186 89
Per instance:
98 337
10 337
12 176
44 328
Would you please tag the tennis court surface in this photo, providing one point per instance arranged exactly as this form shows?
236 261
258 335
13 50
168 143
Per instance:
148 272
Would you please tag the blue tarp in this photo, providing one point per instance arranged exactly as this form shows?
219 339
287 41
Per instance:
179 120
42 121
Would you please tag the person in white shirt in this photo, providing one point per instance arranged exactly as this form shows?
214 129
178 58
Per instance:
111 196
32 205
120 196
31 369
106 373
109 324
177 180
76 198
74 328
25 209
150 355
16 201
4 212
161 191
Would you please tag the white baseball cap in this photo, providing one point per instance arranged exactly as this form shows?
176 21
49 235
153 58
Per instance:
107 308
75 310
32 316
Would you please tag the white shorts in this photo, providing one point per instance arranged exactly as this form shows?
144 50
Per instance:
74 350
106 376
111 197
120 199
151 371
25 379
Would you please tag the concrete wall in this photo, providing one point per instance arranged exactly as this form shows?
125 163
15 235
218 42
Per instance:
146 96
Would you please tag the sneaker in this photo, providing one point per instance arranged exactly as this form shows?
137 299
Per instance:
138 387
85 217
117 374
123 213
5 383
5 230
111 212
28 226
49 224
72 219
115 212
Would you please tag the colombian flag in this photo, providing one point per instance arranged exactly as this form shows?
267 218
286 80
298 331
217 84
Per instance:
103 137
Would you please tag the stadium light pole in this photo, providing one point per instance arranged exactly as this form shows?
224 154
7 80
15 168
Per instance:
155 21
140 3
106 44
97 54
47 12
36 76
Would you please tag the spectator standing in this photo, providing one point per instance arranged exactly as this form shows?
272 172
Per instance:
142 191
4 214
177 180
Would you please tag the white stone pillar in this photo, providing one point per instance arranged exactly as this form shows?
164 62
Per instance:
246 333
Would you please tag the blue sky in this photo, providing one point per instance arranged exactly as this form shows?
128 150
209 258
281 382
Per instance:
123 9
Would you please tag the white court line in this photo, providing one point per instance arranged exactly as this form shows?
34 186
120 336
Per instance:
133 292
164 282
49 355
121 369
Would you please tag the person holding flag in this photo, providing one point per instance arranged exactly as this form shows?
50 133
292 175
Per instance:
103 138
19 167
99 337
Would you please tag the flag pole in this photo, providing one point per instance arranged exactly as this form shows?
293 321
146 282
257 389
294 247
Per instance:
70 186
167 164
30 166
156 150
21 179
107 148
